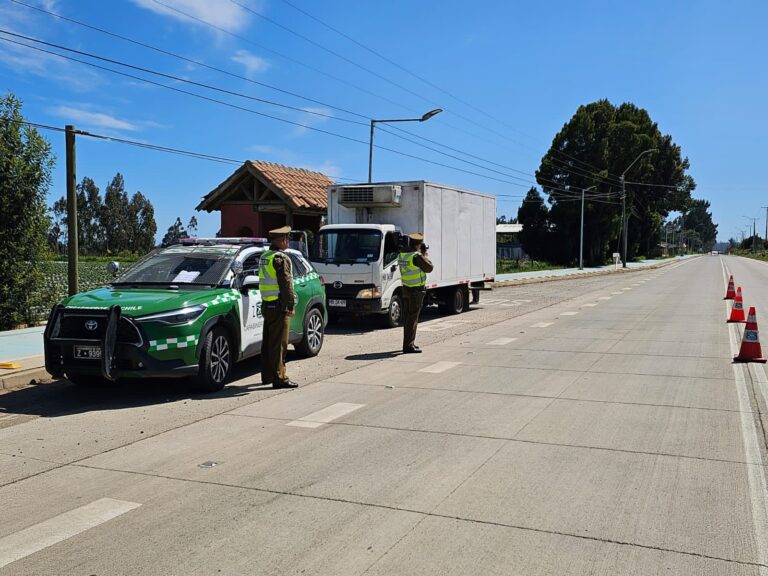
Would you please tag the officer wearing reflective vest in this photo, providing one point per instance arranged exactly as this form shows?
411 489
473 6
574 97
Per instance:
414 267
277 304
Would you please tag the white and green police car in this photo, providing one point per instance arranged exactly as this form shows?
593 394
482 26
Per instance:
188 310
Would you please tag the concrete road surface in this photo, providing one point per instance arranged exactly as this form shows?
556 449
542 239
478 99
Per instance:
584 426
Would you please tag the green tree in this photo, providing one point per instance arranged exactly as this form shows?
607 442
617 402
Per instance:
91 235
598 143
175 233
698 218
26 162
534 216
143 225
115 217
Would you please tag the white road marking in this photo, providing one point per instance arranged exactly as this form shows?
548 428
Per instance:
493 302
590 305
627 288
326 415
516 303
568 313
616 293
604 298
501 341
440 325
542 324
54 530
758 491
439 367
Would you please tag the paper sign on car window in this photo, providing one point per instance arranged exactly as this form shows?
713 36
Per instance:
186 276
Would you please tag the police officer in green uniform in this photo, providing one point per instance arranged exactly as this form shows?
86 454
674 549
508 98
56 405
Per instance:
414 267
277 302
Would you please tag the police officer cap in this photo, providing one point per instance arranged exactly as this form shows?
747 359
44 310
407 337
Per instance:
416 237
277 232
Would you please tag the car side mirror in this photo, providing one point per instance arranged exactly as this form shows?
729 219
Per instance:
237 268
113 268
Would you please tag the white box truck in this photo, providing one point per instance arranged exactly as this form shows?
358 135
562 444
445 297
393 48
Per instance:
357 251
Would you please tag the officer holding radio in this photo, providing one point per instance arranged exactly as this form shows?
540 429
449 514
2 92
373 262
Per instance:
414 267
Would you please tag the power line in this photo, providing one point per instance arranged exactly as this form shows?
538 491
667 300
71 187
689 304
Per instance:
189 60
431 84
231 74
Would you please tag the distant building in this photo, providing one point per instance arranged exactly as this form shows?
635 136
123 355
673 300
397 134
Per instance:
260 196
508 246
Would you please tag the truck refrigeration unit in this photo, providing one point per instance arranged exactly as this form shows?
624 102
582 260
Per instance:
357 251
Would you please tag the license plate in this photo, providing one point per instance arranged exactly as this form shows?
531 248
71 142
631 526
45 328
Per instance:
337 303
88 352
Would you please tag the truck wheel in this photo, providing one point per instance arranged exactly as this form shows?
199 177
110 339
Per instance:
394 315
456 300
216 359
314 332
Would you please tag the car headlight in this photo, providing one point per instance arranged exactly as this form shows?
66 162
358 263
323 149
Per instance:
369 293
181 316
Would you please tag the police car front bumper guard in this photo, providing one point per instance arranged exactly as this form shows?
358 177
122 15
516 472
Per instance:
60 347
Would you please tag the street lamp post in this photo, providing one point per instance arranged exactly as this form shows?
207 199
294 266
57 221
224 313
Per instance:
424 118
581 233
624 215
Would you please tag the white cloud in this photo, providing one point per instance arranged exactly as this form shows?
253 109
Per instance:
93 119
312 118
328 168
225 15
253 64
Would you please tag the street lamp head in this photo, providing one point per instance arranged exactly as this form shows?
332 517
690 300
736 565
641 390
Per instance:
431 113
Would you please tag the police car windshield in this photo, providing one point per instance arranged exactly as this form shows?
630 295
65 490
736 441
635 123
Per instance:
346 246
195 265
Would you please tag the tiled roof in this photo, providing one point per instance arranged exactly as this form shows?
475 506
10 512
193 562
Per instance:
303 188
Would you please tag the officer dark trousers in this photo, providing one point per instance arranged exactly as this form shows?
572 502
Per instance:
274 344
412 301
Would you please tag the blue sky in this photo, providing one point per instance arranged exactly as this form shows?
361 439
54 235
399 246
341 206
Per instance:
698 67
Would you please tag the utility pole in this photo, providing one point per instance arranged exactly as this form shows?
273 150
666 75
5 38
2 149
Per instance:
766 222
682 233
581 233
624 219
71 210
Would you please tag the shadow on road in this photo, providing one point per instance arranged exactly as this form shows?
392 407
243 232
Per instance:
62 398
373 356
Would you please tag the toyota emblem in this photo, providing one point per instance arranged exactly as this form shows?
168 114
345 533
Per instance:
91 325
337 285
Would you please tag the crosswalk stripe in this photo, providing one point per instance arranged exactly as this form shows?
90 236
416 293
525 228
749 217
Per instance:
326 415
52 531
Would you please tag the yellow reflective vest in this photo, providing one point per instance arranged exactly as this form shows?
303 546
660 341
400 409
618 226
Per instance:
411 275
270 291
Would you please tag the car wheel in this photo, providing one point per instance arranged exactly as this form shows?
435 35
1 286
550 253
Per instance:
314 331
216 360
394 315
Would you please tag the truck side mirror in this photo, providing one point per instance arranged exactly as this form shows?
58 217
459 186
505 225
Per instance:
237 268
394 267
113 268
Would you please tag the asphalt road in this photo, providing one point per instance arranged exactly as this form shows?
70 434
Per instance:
584 426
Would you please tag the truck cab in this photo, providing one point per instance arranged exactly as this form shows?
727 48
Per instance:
359 265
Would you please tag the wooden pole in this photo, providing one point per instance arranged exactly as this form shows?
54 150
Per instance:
72 250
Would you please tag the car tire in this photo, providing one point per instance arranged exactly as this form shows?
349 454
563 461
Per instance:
216 360
394 315
314 333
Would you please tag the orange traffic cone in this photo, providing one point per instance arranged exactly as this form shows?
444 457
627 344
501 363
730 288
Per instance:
750 344
737 312
730 294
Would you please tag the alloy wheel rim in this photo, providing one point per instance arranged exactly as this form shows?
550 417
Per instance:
314 332
219 359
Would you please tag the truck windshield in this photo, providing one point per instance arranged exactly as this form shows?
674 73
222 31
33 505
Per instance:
346 246
198 265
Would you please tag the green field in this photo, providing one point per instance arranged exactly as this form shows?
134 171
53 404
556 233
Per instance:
92 273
